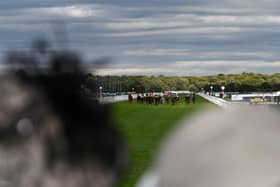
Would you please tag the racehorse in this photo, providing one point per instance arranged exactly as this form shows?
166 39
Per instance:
157 99
193 98
167 98
138 98
187 99
130 98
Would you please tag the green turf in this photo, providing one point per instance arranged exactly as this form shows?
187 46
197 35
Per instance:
143 127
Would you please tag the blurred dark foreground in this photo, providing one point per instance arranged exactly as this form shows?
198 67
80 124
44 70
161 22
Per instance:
52 134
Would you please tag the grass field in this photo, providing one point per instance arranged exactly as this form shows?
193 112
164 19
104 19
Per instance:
143 127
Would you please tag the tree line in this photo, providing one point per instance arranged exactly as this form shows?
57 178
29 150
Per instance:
244 82
40 54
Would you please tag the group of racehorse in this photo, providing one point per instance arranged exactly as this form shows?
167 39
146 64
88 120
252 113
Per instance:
156 99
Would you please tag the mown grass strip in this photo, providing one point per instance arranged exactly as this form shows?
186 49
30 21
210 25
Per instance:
143 127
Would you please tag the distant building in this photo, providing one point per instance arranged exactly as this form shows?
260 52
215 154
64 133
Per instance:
268 96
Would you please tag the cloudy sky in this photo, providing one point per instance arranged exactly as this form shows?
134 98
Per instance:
170 37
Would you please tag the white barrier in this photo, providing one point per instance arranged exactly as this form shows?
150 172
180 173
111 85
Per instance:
113 99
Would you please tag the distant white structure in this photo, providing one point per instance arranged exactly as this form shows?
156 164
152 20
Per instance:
247 97
179 92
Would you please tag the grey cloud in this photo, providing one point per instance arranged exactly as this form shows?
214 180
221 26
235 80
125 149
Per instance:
153 34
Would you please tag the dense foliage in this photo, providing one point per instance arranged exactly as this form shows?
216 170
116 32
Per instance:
245 82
